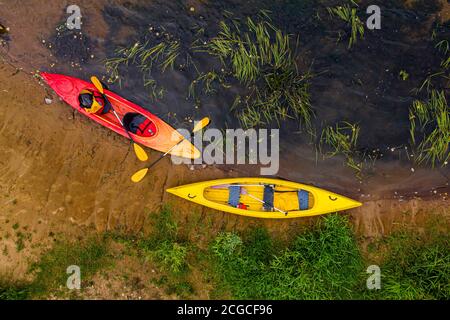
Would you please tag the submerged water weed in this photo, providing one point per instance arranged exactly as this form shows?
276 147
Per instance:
145 57
440 78
259 56
343 139
156 92
207 81
431 120
348 14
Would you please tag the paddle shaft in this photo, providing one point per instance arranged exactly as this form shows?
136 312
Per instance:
118 118
165 154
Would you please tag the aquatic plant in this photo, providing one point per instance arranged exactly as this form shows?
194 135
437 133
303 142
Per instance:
342 139
440 78
144 56
259 56
156 92
404 75
431 119
207 80
349 15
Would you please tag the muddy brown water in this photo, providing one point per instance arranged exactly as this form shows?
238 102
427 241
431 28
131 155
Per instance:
63 169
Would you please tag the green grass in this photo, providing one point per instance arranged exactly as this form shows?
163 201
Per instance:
50 274
430 122
13 290
323 263
348 14
165 247
415 266
326 262
259 56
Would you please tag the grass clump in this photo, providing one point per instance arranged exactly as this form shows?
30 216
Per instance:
145 57
259 56
172 256
431 120
166 249
323 263
342 139
50 274
414 267
164 245
348 14
13 290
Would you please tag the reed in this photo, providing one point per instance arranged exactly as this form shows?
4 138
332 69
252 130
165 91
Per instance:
163 54
431 121
342 139
156 92
207 81
349 15
259 56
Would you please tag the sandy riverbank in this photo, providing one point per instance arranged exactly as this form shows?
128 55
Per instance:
60 172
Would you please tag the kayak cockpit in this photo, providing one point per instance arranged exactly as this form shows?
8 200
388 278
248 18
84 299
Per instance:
260 197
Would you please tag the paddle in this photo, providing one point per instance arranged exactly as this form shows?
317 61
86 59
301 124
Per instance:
139 175
138 150
245 192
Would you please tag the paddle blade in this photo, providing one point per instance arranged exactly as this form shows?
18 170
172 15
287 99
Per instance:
201 124
140 152
97 84
138 176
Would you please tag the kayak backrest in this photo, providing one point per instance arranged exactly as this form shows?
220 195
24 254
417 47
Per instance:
234 195
268 198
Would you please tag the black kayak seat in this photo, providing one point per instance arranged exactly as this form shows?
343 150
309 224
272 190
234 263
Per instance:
132 120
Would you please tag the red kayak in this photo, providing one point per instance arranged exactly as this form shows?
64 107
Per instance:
163 136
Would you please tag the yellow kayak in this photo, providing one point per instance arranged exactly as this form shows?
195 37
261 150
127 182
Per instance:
264 197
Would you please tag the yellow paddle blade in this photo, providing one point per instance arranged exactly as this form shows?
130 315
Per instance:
201 124
140 152
97 84
138 176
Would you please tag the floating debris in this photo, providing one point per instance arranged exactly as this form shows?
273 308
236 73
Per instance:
48 100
